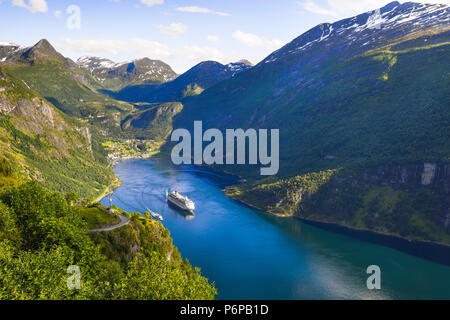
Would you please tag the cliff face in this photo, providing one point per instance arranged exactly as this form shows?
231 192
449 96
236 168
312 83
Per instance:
419 182
411 177
47 145
412 201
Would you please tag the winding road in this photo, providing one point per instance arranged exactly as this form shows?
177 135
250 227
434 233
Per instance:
123 222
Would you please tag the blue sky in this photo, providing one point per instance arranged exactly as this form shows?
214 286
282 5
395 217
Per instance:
179 32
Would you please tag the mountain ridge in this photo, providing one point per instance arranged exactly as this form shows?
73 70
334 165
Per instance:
41 51
361 104
389 16
362 108
112 75
45 144
191 83
105 73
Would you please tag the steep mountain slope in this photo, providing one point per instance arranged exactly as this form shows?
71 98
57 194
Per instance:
47 145
6 49
116 76
345 93
67 86
362 108
42 233
154 123
191 83
41 51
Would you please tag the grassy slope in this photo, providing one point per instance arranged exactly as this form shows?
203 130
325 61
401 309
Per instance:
41 234
97 217
339 196
60 158
388 106
154 123
60 86
360 111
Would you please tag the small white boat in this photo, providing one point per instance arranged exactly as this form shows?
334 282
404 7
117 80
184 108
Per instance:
181 202
155 215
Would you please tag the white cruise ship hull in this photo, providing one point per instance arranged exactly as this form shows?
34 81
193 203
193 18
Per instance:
180 205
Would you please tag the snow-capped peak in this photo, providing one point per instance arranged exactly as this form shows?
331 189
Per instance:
8 44
391 21
93 63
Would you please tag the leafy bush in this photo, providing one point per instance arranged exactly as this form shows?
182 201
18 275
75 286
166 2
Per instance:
41 235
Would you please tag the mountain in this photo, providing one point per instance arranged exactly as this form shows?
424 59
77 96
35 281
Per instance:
43 143
48 160
338 79
362 108
6 49
154 123
40 52
154 120
115 76
65 85
193 82
66 120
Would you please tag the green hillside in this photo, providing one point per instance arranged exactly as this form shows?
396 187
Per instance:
191 83
43 143
154 123
61 86
41 234
363 128
381 106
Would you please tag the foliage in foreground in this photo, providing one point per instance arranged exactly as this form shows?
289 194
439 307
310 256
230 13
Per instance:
41 235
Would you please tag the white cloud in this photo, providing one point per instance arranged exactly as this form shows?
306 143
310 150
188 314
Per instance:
194 9
212 38
32 5
196 54
310 6
136 47
351 8
180 58
347 8
173 30
57 14
223 14
252 40
151 3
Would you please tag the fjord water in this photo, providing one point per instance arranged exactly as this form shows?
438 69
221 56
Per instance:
252 255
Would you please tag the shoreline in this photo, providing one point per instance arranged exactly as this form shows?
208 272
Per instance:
431 251
109 190
113 161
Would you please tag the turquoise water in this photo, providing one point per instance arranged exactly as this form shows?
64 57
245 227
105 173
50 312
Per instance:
252 255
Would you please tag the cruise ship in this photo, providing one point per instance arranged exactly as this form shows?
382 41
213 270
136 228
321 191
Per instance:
181 202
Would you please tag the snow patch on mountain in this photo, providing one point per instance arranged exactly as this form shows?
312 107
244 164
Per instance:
390 21
237 67
93 63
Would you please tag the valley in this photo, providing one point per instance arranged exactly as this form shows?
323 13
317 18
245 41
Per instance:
362 110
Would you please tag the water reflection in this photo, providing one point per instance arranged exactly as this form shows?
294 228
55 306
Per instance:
253 255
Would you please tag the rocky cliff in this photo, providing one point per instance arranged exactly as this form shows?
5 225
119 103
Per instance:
411 201
45 144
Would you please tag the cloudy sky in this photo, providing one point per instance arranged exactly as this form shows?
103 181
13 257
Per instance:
179 32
